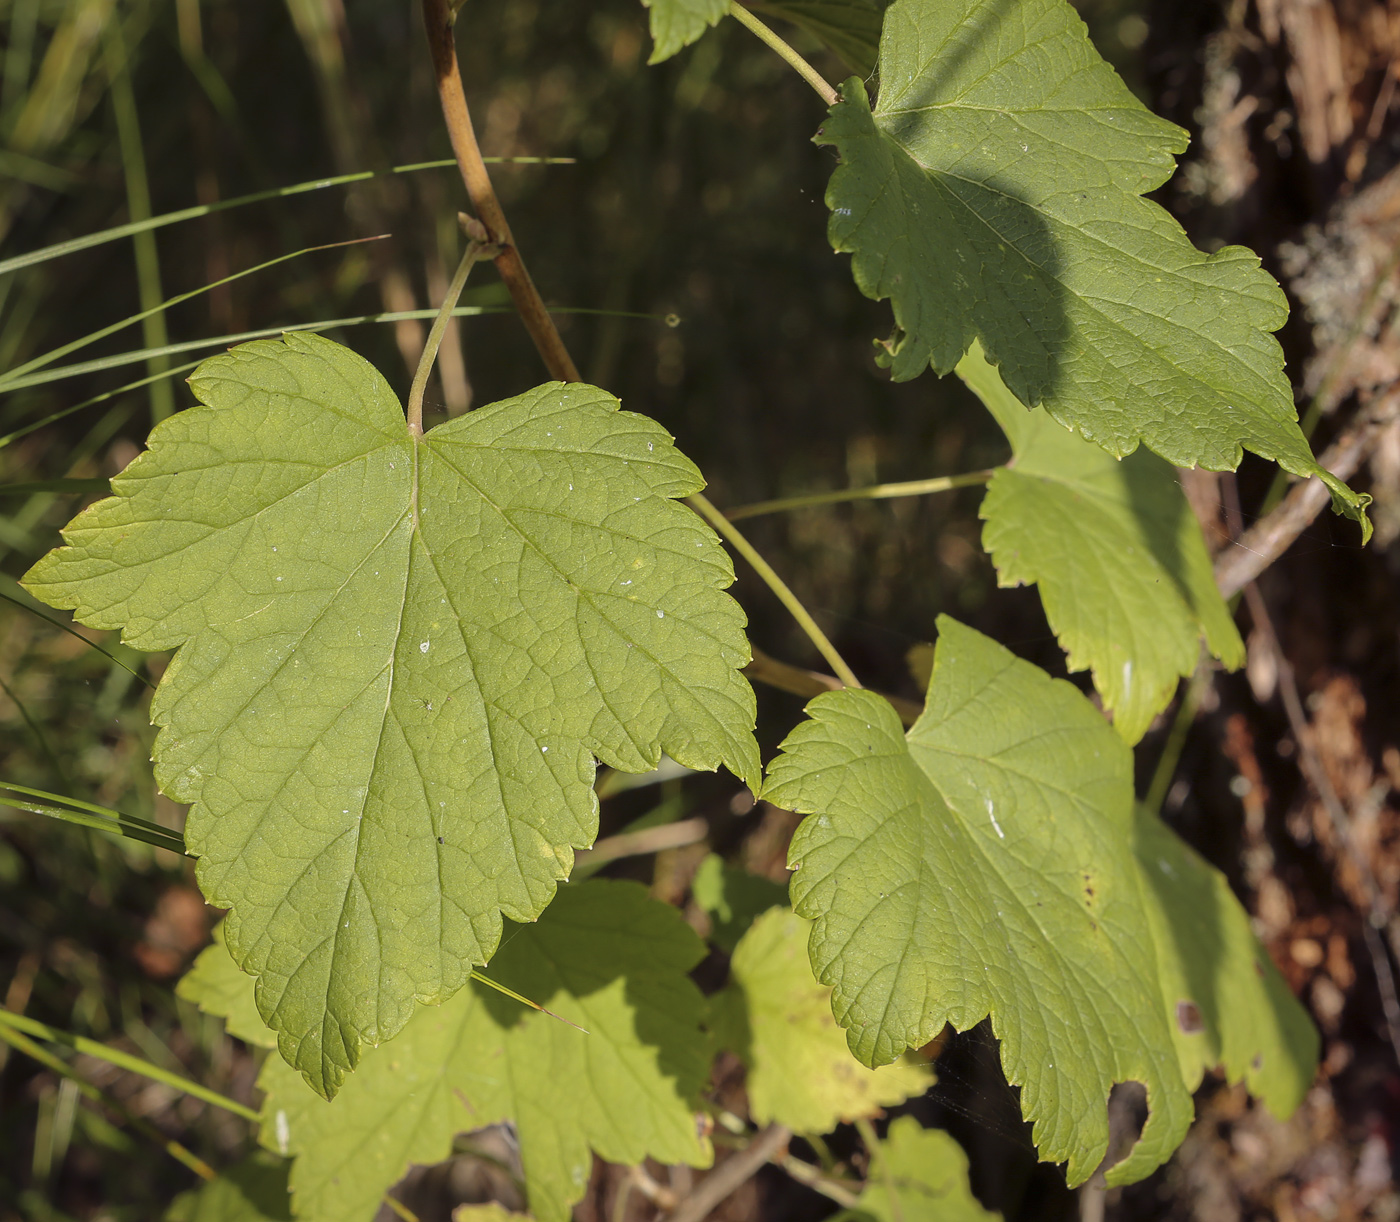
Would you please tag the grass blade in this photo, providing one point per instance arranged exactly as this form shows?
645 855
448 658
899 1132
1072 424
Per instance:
62 627
84 814
124 1060
72 486
117 232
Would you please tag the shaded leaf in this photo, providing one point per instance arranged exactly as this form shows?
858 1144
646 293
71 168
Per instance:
851 28
254 1190
1119 557
397 659
995 192
1227 1005
678 23
733 898
983 866
217 985
603 955
777 1019
918 1175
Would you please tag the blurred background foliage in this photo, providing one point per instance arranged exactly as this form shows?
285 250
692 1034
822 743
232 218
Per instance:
685 247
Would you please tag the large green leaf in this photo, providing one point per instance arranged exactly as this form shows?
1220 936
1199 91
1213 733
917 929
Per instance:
678 23
603 955
983 866
995 192
851 28
1227 1003
777 1019
398 657
1119 557
918 1175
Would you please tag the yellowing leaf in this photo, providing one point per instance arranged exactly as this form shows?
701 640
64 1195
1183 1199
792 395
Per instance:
919 1175
398 658
603 955
1122 567
995 193
678 23
1227 1005
777 1019
983 866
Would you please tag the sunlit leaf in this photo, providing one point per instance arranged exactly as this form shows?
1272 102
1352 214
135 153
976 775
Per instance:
1117 553
604 956
918 1175
777 1019
995 193
733 898
983 866
255 1190
398 658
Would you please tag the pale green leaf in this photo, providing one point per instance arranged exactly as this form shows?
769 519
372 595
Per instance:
1227 1005
777 1019
733 898
603 955
851 28
216 985
254 1190
678 23
983 866
1119 557
398 657
918 1175
995 192
490 1211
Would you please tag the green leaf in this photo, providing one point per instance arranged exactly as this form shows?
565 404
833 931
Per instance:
398 657
678 23
995 193
1119 557
1227 1004
254 1190
603 955
851 28
733 898
216 985
919 1175
983 866
777 1019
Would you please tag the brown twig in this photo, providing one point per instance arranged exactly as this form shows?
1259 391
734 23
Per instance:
733 1172
648 840
528 303
1264 542
788 678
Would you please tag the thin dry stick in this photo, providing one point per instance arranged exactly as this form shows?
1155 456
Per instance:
731 1173
1378 917
706 510
648 840
876 492
438 18
804 69
1264 542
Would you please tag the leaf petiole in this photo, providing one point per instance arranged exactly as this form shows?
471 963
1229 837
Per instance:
876 492
800 65
705 509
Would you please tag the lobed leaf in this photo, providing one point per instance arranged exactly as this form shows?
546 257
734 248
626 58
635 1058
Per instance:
851 28
918 1175
777 1019
604 955
217 985
1116 550
1227 1005
398 658
678 23
982 866
995 193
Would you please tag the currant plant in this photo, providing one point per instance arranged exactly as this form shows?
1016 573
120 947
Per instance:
400 656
